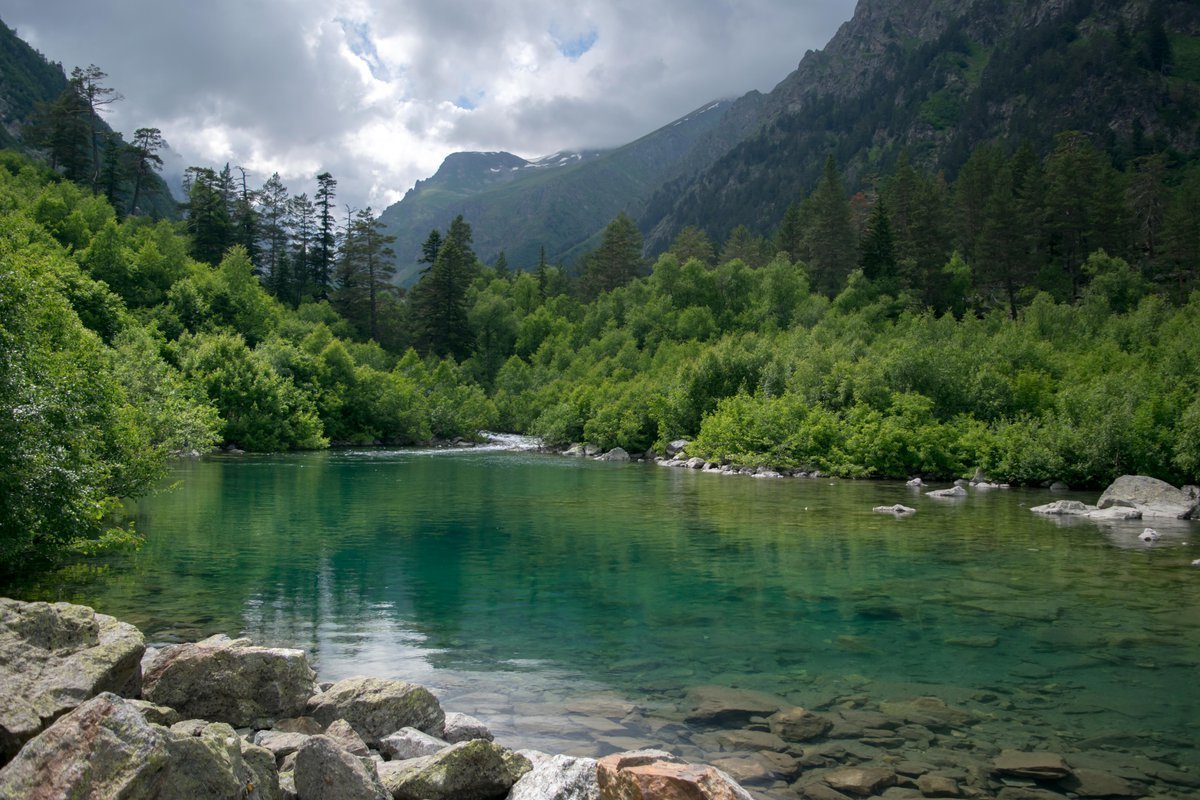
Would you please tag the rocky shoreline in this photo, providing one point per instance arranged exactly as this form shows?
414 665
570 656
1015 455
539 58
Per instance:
88 711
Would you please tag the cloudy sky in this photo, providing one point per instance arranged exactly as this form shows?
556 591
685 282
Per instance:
378 92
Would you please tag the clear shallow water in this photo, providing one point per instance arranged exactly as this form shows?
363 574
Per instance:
519 584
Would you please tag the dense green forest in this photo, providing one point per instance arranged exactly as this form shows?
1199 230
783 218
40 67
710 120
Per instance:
1036 318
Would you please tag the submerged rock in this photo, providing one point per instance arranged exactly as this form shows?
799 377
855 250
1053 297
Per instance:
1035 765
721 704
860 781
230 680
1063 508
616 454
53 657
375 707
1150 496
796 724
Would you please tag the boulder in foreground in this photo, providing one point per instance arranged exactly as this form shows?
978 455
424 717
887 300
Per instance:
55 656
376 707
653 775
473 770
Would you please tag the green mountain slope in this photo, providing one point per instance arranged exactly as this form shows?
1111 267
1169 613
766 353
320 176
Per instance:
940 77
561 202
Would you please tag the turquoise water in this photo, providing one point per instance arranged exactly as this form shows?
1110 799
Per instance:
517 584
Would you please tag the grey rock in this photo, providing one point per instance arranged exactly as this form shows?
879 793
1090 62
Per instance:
1059 486
159 715
464 728
915 483
105 742
230 680
1063 508
53 657
217 763
1096 783
474 770
345 737
325 771
897 509
558 778
820 791
695 463
676 447
1152 497
409 743
574 450
955 491
616 454
280 743
375 707
299 725
646 775
591 450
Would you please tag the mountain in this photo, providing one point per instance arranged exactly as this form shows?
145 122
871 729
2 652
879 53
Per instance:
561 202
937 78
29 81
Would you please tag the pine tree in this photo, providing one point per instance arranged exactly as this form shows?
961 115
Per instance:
272 211
501 266
146 160
207 210
877 257
245 221
692 242
617 260
830 246
365 272
430 248
789 237
302 226
87 82
439 304
325 243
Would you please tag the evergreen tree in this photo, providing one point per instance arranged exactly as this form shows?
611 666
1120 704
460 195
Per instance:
430 248
754 251
207 210
111 169
273 209
1181 234
365 272
439 302
1002 250
692 242
63 129
830 246
245 221
501 266
145 160
302 225
617 260
877 257
789 237
325 243
87 82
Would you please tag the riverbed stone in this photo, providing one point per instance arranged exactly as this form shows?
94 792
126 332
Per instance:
640 776
558 778
104 742
897 509
797 724
617 454
676 447
722 704
1085 782
954 491
938 786
375 707
55 656
931 712
1038 765
325 771
230 680
1152 497
860 781
473 770
1063 508
409 743
461 727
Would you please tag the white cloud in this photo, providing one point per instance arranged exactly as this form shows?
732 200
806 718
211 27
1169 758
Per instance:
378 93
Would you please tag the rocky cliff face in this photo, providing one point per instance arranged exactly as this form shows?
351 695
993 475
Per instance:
939 77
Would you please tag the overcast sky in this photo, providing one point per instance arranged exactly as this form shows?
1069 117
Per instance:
378 92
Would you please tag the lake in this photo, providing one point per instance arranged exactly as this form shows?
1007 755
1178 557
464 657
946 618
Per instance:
570 604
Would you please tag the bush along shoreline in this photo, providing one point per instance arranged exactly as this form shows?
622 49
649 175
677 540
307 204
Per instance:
89 711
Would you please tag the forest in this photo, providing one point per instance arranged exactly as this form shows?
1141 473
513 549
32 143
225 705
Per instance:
1035 317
